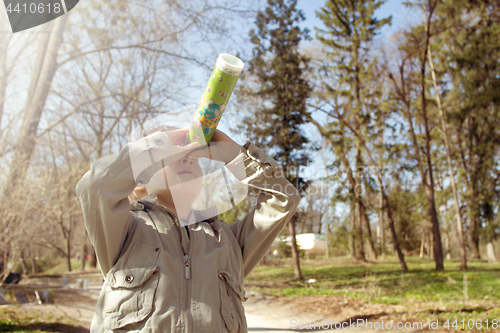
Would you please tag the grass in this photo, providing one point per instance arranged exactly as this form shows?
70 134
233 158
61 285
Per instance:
12 321
61 267
49 266
441 293
423 292
382 282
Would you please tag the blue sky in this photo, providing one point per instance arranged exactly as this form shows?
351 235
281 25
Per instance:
401 16
391 7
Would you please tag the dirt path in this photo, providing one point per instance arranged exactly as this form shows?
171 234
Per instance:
75 307
265 314
310 314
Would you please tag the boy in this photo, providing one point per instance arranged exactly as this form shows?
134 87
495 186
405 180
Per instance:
168 267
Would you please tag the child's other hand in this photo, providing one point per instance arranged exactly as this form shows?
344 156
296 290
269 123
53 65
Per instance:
221 148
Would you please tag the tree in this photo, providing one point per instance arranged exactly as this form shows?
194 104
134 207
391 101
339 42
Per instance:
454 50
410 87
463 253
350 28
116 68
41 79
278 69
471 61
312 218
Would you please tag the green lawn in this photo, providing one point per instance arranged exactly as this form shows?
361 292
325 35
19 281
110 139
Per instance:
12 321
478 288
382 282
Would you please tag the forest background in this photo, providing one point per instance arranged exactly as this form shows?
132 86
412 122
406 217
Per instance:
389 132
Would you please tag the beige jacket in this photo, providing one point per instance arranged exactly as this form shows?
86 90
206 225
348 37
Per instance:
159 279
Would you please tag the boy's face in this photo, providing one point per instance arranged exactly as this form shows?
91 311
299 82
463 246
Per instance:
183 181
183 171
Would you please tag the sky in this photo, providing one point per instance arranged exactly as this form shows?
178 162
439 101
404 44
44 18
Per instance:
401 16
391 7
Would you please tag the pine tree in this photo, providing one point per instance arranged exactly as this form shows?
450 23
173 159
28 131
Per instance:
279 69
470 58
350 27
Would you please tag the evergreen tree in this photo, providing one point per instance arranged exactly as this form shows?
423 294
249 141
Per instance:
470 58
350 28
279 71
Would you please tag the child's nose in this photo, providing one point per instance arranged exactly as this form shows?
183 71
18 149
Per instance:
187 160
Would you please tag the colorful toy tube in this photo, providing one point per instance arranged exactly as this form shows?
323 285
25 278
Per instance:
215 98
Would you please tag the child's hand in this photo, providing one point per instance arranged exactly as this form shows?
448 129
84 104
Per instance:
177 138
221 148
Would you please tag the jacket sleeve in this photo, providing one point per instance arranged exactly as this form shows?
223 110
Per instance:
103 192
276 203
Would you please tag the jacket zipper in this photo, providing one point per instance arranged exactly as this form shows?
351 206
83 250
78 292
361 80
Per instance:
187 272
186 262
188 276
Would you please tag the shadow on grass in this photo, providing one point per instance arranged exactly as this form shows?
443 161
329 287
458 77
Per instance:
43 327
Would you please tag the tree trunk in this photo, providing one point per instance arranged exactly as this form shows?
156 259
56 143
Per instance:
327 221
352 224
447 247
396 246
369 232
4 42
66 234
327 238
93 257
395 240
360 253
68 252
430 246
429 187
470 199
460 230
23 264
6 257
41 80
381 198
84 256
490 250
33 261
295 252
381 226
436 234
422 244
362 216
356 237
357 250
474 237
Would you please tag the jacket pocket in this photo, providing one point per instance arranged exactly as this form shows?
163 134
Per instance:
129 296
232 296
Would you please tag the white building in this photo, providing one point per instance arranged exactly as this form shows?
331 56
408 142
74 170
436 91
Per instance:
310 243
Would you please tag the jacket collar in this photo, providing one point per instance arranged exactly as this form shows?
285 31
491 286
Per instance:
209 214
